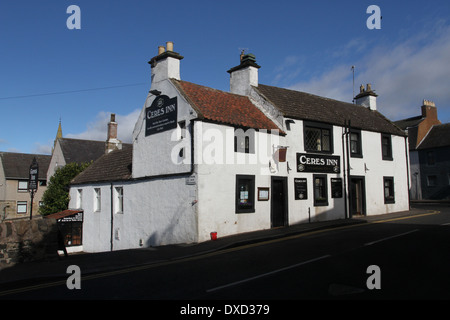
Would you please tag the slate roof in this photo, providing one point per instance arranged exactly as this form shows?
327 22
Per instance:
437 137
305 106
224 107
17 165
79 151
113 166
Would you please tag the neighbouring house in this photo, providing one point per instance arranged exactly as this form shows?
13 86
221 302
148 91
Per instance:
206 162
429 144
15 198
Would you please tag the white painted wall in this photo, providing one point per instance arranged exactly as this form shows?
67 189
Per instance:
152 155
156 212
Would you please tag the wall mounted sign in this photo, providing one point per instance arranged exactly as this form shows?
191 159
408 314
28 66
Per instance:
300 189
336 187
307 162
161 115
76 217
263 194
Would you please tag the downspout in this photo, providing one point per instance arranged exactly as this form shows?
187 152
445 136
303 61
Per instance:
407 172
343 168
112 218
348 166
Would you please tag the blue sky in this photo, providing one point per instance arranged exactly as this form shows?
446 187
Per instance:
49 72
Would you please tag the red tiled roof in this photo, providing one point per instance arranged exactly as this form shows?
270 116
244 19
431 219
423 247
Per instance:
63 214
224 107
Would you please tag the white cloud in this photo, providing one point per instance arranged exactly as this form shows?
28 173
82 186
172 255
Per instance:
402 74
97 129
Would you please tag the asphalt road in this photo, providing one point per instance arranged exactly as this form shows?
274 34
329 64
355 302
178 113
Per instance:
410 256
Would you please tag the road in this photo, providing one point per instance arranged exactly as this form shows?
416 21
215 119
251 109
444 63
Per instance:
410 259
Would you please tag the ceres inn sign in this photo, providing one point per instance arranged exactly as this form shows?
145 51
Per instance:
161 115
318 163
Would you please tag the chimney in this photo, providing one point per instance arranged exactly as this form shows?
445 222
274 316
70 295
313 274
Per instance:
166 64
245 75
429 110
112 143
367 97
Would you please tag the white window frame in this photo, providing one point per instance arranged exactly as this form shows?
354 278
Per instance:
118 199
97 199
22 204
79 198
22 186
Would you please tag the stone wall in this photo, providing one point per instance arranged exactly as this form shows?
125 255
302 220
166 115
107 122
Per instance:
24 240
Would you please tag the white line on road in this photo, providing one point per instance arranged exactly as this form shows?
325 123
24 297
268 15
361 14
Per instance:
391 237
267 274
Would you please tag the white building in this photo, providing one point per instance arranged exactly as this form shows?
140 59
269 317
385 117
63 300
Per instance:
258 157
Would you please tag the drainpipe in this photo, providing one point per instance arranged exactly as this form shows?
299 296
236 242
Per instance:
112 218
343 168
407 173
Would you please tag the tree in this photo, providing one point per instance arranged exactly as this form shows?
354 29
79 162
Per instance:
56 197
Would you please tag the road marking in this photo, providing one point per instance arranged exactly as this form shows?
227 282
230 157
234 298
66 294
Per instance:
391 237
267 273
200 256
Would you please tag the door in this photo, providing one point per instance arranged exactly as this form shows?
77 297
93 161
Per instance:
357 196
278 204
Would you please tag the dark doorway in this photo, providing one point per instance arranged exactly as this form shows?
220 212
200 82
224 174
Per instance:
278 204
357 196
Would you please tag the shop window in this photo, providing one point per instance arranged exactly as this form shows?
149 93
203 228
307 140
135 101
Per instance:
389 196
318 138
245 194
320 190
386 146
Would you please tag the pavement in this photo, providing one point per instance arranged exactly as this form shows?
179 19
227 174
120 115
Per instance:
92 263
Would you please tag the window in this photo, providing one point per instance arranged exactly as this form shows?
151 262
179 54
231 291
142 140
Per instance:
386 146
245 194
23 185
97 199
244 141
79 198
21 207
389 196
182 126
320 190
118 203
431 161
318 138
431 181
355 144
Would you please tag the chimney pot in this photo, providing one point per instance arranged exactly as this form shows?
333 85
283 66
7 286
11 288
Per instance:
169 45
161 49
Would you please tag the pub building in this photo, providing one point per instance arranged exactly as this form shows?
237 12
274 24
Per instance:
206 163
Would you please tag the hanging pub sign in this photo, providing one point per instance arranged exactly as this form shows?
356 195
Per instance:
34 176
161 115
301 189
336 187
307 162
